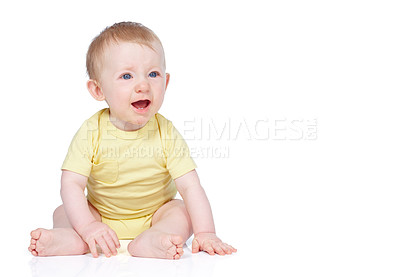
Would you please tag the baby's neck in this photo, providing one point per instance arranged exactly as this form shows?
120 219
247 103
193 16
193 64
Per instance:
125 126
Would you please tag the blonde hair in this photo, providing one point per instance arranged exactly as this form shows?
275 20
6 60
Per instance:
119 32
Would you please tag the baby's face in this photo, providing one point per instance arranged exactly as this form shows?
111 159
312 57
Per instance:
133 81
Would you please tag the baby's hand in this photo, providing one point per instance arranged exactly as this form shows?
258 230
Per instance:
211 244
102 235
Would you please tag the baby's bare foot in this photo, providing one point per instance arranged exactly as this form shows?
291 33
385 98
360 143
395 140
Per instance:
56 242
155 244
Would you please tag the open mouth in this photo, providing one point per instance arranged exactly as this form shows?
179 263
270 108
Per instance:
141 104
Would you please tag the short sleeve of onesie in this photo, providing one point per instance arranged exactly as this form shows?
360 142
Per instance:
80 152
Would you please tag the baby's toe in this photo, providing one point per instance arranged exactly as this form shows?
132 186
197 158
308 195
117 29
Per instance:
35 234
32 246
177 240
33 242
171 252
32 249
179 250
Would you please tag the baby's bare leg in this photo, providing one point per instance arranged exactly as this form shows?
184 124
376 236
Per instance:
171 227
62 239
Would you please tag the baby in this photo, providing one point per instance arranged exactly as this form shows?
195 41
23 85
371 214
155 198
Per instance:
131 160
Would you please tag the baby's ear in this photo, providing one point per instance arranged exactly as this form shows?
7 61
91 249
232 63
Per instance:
167 76
95 90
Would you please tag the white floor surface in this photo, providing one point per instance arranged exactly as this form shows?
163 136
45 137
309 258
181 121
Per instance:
275 254
200 264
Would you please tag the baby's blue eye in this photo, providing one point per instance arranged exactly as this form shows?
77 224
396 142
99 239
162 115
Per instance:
153 74
126 76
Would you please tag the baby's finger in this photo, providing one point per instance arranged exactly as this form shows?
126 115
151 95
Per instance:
208 248
103 245
233 249
195 246
218 249
226 248
92 247
111 244
115 238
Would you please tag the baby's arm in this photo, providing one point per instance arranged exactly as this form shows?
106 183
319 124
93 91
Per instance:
77 209
199 209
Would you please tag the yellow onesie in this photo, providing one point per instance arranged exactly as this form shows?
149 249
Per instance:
130 174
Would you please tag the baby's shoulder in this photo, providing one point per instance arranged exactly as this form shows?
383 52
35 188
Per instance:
91 126
165 126
93 122
163 122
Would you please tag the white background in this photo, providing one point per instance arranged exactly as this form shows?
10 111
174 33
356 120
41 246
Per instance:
292 205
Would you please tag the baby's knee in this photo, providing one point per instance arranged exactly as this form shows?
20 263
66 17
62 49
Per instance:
177 204
175 207
59 212
178 207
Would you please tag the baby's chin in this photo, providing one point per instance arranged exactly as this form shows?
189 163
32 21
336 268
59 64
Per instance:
139 121
129 123
130 126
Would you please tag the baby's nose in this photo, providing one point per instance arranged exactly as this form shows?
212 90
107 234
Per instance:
142 86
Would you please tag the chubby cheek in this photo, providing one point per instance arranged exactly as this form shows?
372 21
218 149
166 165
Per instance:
158 100
114 102
118 97
159 92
